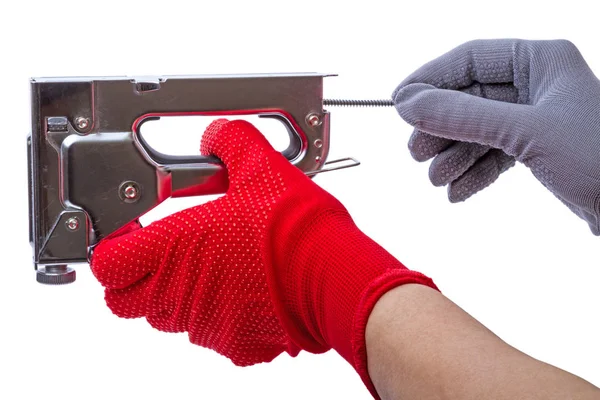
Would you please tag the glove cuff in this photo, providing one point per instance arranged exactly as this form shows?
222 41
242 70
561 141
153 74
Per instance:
369 298
327 276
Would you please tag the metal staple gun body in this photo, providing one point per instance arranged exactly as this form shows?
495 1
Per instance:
92 174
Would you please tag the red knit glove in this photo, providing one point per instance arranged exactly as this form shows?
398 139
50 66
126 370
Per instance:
274 265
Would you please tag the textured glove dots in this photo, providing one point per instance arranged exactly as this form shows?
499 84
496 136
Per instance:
486 103
274 265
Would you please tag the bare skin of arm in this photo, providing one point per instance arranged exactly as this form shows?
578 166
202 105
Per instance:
422 346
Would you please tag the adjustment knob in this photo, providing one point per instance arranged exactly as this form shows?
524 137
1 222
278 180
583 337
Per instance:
55 275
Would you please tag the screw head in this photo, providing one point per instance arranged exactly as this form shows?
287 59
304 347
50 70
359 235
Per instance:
318 158
129 191
318 143
82 123
313 119
72 223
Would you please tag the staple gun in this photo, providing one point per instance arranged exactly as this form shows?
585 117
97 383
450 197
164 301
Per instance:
92 174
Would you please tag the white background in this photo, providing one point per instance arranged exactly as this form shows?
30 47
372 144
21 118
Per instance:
513 256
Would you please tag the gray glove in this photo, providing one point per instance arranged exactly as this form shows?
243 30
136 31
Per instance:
487 103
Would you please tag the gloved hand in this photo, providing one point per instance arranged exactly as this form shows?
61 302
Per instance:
486 103
276 264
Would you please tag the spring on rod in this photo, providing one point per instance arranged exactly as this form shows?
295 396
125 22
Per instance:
357 103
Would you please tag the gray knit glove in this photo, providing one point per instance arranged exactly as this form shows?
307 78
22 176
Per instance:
486 103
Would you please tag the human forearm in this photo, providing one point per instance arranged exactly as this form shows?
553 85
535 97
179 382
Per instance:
422 346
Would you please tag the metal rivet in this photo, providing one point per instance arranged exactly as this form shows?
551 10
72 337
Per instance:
72 223
129 191
313 119
82 123
318 143
318 158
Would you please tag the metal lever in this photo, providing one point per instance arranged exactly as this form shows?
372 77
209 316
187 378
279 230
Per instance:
348 162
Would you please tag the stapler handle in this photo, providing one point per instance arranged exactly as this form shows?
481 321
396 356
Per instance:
188 173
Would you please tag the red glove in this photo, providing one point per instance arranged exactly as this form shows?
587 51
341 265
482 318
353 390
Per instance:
276 264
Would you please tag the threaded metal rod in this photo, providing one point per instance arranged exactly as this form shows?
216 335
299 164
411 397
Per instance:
357 103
